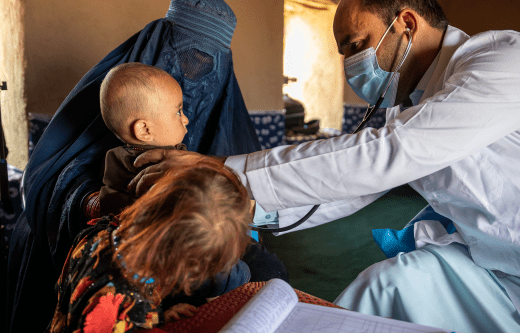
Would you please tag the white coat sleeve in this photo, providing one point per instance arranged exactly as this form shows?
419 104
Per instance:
477 103
327 212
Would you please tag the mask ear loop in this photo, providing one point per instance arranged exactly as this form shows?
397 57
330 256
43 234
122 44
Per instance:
373 109
403 58
386 32
369 111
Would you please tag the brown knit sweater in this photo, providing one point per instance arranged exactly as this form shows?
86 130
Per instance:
114 197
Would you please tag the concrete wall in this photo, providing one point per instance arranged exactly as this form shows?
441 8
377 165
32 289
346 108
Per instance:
258 52
12 71
64 39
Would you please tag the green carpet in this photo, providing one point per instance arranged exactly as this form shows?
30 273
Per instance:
322 261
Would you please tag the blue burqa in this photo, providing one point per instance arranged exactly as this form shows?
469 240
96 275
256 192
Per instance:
192 44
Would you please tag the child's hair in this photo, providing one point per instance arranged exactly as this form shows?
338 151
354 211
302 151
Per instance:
191 225
125 90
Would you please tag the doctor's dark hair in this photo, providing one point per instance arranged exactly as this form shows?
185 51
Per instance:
387 10
190 226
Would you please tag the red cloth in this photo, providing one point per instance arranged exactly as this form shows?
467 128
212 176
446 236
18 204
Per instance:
211 317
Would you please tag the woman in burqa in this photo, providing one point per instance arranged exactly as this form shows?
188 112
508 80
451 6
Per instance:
192 43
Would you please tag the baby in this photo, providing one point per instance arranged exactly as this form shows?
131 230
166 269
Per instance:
142 106
191 226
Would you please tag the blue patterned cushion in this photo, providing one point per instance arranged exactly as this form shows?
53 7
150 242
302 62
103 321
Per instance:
353 114
270 127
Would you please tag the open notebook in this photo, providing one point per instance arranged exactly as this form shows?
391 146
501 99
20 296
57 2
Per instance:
275 308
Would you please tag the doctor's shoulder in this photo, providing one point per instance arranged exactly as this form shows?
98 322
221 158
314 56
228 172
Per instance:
496 50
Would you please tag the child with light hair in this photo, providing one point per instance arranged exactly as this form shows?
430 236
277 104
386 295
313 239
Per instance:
188 228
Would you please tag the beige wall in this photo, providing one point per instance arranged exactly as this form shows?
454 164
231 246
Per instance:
258 52
12 69
64 39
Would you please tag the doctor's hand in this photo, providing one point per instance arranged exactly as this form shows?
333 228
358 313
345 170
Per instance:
163 160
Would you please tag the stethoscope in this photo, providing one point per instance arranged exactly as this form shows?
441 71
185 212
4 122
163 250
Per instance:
371 110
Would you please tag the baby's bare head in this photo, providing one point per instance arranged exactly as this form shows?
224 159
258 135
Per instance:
142 104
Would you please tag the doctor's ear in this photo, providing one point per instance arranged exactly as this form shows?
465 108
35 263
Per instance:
141 130
409 20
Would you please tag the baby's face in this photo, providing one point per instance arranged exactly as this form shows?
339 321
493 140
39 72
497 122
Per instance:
170 122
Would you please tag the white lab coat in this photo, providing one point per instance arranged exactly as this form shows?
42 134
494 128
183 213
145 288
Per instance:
459 148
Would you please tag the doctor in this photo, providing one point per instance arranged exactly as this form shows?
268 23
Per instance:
454 136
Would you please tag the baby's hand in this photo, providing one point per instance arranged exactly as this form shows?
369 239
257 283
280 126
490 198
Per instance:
174 312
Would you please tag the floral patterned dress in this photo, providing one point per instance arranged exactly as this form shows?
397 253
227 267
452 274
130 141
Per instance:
93 293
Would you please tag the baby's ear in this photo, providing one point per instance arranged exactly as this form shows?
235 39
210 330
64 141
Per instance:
141 130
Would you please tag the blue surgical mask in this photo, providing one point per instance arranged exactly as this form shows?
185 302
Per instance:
367 79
